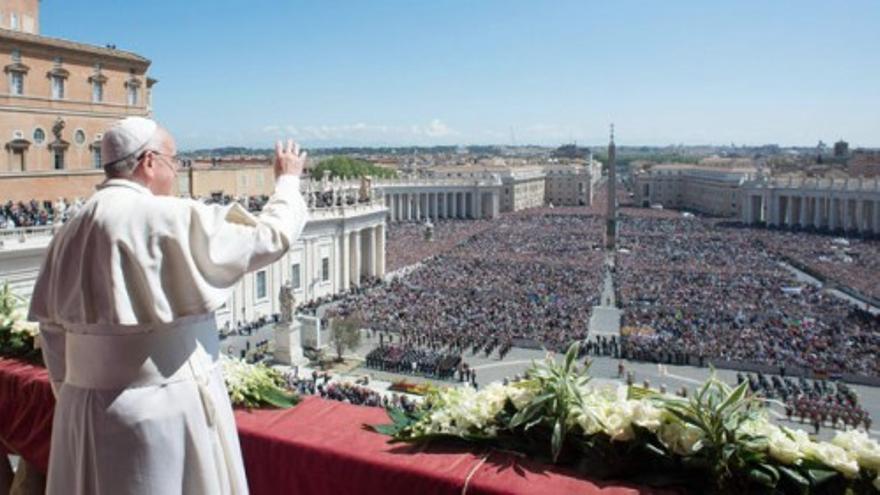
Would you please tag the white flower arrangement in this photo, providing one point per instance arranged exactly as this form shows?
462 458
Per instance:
721 430
19 338
254 385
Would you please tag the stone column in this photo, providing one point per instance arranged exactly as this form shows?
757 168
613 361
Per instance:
861 224
418 206
445 197
379 251
436 206
746 212
369 245
345 261
833 213
817 212
356 258
802 211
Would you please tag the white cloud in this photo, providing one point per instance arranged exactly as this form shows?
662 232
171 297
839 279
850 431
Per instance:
362 132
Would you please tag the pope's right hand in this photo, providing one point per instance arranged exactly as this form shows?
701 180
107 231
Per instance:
289 160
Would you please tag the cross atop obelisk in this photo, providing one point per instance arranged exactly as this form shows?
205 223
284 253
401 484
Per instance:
611 211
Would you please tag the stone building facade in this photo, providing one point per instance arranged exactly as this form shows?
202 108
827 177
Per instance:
56 100
714 191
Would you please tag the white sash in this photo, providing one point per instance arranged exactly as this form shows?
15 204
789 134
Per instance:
145 355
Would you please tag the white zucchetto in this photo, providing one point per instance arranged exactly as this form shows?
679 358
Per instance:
126 138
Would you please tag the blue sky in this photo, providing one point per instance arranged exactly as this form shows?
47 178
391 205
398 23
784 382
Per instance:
237 72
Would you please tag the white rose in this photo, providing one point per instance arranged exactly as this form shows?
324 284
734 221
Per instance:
646 415
834 457
25 327
865 449
520 396
783 448
681 438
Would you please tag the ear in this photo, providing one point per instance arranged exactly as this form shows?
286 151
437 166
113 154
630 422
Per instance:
146 170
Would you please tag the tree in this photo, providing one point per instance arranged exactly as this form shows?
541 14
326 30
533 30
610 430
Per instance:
346 335
343 166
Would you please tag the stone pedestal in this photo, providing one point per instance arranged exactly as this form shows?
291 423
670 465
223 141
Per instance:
288 343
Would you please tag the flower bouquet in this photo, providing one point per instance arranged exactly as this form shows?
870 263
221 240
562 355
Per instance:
720 440
255 385
19 338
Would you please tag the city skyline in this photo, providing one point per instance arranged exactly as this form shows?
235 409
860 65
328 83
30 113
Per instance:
395 74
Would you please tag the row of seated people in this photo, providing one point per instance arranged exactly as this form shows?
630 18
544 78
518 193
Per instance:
418 361
346 392
824 412
818 402
248 328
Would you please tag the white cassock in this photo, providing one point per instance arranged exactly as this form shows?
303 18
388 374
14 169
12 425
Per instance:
125 301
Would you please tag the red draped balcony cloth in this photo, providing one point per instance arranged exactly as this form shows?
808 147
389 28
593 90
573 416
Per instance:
318 447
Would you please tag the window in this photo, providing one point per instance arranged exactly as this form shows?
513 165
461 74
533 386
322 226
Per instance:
132 95
96 156
295 280
325 269
13 21
57 87
39 136
97 92
16 83
59 159
261 284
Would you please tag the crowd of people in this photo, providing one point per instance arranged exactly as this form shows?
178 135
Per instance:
692 288
840 261
408 243
817 402
426 362
351 393
34 213
531 278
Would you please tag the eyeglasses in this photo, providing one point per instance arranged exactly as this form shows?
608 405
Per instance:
173 161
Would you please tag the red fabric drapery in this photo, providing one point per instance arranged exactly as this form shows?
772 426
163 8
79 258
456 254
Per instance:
318 447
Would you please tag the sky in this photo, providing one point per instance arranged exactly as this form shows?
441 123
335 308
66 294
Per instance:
334 73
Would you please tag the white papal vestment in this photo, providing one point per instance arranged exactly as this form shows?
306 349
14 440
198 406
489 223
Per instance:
125 301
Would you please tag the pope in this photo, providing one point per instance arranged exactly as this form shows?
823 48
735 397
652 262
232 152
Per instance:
125 300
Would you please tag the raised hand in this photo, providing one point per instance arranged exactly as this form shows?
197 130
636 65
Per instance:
288 159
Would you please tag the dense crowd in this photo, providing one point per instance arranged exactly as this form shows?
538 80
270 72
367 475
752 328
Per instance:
530 279
417 361
842 262
36 213
407 243
690 287
350 393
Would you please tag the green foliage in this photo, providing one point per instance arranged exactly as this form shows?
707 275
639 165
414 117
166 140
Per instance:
346 335
343 166
560 386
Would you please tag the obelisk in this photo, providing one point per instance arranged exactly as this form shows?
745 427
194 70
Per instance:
611 211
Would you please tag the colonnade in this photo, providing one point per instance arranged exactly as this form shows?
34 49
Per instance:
833 211
435 205
362 255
